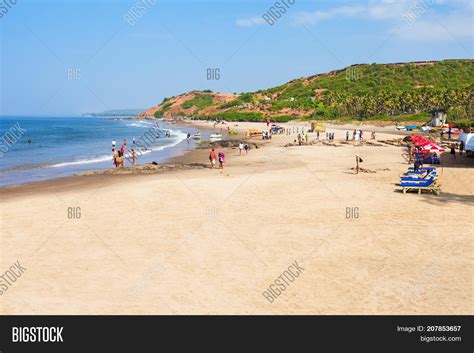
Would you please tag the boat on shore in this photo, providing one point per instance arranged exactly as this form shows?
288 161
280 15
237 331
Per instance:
215 137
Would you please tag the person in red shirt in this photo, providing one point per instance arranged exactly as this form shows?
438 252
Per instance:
212 158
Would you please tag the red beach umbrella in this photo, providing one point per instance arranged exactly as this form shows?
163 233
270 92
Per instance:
432 147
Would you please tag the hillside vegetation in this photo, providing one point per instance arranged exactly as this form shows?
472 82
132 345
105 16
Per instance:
407 91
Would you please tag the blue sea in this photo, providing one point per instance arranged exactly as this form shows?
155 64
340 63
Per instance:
40 148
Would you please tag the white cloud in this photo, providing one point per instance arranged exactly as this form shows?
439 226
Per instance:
374 9
317 16
457 26
252 21
420 19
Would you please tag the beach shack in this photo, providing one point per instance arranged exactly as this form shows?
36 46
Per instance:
438 118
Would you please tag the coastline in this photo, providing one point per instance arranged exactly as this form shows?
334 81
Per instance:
178 162
82 164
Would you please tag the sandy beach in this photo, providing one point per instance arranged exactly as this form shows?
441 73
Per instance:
202 241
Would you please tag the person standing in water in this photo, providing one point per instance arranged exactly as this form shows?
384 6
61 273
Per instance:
114 157
113 144
134 157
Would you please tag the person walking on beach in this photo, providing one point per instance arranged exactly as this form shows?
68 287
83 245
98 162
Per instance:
246 147
317 135
461 148
361 134
449 133
347 135
453 150
410 154
221 159
354 135
358 160
212 158
241 148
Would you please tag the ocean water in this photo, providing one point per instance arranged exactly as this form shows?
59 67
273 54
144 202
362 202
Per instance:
39 148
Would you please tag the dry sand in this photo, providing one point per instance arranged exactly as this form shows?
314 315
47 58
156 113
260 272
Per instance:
206 241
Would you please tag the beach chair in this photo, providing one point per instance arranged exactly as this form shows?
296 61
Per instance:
429 185
415 177
414 174
421 170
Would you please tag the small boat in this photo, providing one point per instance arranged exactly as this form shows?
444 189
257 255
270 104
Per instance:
216 137
407 128
197 136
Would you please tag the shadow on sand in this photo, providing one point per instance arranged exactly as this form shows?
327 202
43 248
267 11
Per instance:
447 198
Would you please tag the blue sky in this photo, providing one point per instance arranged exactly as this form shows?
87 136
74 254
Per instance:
70 57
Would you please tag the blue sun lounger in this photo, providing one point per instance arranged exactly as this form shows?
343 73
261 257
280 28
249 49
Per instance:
428 184
415 177
421 170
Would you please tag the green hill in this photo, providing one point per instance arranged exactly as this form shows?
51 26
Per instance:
404 91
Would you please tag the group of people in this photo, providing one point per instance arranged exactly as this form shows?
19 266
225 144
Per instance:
243 148
267 135
300 139
118 157
294 130
220 157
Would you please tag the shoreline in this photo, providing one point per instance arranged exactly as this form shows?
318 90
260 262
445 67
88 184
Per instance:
171 152
171 164
188 156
